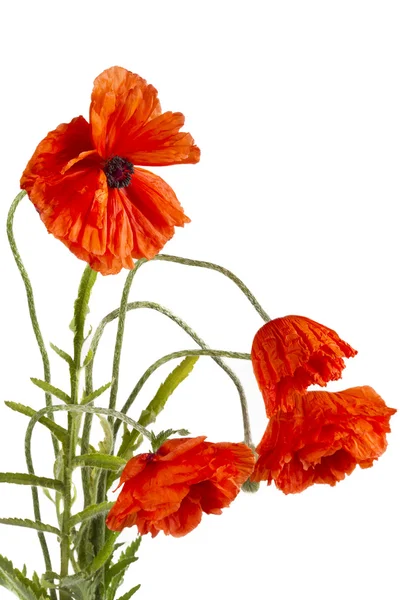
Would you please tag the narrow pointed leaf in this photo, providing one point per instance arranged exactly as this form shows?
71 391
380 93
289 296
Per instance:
105 446
90 512
64 355
60 433
88 358
51 389
104 554
129 594
153 409
101 461
31 525
165 390
114 574
16 582
26 479
93 395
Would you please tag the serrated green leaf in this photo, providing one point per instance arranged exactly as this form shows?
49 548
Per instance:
129 594
80 586
114 574
51 389
101 461
60 433
104 554
15 581
90 512
26 479
157 404
175 378
39 526
105 446
64 355
158 439
93 395
88 358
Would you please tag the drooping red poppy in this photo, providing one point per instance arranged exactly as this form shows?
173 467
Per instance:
84 181
291 353
323 438
169 491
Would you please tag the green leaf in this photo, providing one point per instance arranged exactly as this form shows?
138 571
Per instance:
16 582
106 445
104 554
26 479
51 389
81 586
114 574
60 433
101 461
153 409
88 358
163 436
62 354
39 526
93 395
165 390
130 593
94 510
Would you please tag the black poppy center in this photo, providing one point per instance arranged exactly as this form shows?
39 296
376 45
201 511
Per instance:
118 171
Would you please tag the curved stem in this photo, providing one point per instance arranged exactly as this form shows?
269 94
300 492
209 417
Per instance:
179 354
31 300
116 414
120 334
161 309
46 367
226 272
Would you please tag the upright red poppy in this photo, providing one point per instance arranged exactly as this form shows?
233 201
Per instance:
291 353
323 438
84 180
169 491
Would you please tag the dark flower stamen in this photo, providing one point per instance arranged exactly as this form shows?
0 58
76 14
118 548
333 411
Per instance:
118 171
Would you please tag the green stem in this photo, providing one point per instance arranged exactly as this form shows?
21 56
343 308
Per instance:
31 300
115 375
226 272
179 354
80 311
164 311
45 361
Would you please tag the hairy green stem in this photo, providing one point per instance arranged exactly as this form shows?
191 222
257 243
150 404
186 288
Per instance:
179 354
226 272
183 325
45 361
115 377
80 310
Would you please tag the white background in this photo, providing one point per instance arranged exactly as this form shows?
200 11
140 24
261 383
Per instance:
296 108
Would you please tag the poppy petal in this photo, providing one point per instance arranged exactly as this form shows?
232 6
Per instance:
291 353
159 142
323 438
121 101
55 151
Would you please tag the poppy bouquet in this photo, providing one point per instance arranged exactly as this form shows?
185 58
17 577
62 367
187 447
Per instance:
89 182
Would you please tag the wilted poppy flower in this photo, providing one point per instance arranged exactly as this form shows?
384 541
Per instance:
291 353
322 438
168 491
84 181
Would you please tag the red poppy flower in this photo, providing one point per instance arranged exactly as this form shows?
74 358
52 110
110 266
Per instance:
292 353
85 184
323 438
168 491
